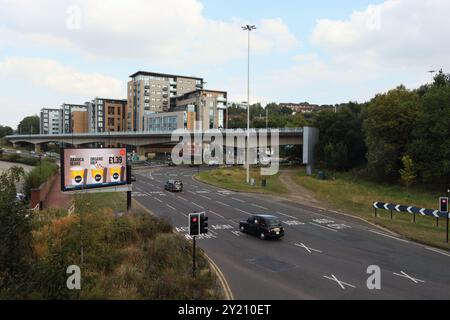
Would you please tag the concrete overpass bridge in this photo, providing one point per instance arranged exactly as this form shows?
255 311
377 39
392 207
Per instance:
161 142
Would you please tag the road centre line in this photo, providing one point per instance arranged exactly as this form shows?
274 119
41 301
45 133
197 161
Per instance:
217 214
248 213
205 197
182 198
197 205
286 215
239 200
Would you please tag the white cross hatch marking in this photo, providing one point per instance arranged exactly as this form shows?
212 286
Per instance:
342 284
405 275
301 245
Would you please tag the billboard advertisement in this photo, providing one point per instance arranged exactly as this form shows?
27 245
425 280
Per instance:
93 168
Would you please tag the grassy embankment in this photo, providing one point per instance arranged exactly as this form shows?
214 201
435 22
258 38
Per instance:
125 256
234 179
354 195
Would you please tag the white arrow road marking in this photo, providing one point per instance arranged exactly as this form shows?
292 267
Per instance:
342 284
404 275
301 245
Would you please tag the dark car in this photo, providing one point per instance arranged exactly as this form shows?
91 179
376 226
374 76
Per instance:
263 226
174 185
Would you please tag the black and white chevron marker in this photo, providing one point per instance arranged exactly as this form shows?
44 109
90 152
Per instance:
409 209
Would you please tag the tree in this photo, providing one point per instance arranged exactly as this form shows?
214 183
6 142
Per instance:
29 125
390 118
5 131
15 237
345 127
430 146
296 121
408 173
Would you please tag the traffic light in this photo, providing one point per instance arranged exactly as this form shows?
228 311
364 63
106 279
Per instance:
443 204
203 223
194 224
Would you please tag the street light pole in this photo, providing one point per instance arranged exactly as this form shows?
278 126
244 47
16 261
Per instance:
248 28
431 72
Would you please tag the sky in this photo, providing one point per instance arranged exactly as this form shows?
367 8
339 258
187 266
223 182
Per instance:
323 51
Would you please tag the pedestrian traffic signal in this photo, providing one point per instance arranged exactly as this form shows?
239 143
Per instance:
194 224
203 223
443 204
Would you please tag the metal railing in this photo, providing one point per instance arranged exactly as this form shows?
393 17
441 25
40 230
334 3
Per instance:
142 133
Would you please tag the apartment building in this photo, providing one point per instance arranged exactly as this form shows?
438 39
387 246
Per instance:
67 111
150 92
79 121
107 115
50 121
209 107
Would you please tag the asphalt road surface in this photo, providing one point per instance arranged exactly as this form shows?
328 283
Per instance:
323 255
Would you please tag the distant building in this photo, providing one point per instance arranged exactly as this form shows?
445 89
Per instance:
50 121
242 105
79 121
67 111
107 115
168 121
208 106
300 107
151 92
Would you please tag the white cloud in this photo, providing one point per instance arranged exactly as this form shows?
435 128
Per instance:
60 78
170 31
395 42
394 34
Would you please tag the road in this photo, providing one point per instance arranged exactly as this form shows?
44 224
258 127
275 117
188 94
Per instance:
323 255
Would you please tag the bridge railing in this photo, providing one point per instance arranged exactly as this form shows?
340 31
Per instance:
139 133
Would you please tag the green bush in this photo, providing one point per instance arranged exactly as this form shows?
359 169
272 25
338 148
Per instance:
17 158
39 175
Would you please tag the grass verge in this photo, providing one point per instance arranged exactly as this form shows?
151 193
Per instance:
234 179
355 196
125 256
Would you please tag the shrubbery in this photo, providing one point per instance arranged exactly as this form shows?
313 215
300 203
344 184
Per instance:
39 175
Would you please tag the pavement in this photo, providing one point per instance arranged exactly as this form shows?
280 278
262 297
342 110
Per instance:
324 255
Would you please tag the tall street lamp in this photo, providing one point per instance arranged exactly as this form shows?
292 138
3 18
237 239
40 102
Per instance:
432 72
247 162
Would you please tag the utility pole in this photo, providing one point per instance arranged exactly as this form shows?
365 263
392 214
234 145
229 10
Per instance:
248 28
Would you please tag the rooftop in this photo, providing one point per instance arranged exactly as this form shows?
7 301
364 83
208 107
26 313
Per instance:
165 75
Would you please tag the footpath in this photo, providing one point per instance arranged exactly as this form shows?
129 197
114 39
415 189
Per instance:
55 198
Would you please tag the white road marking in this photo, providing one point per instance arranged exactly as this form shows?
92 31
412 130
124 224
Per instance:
158 200
404 275
301 245
286 215
243 211
205 197
197 205
171 207
261 207
224 204
342 284
239 200
191 192
180 197
437 251
318 225
386 235
219 215
221 227
236 233
294 223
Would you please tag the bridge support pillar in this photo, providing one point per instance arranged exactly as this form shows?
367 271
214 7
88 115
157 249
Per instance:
310 139
37 148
